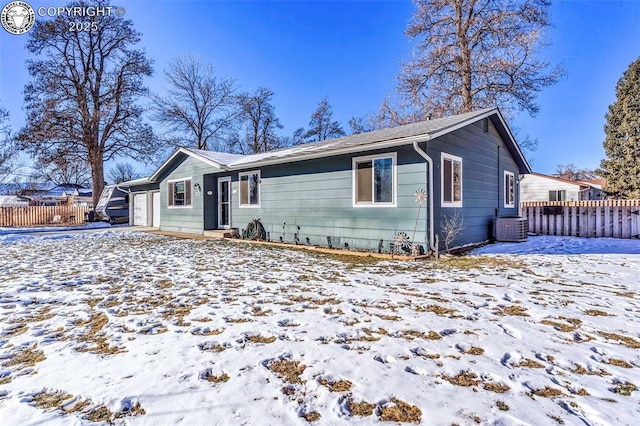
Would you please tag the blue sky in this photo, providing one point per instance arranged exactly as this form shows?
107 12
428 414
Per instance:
351 51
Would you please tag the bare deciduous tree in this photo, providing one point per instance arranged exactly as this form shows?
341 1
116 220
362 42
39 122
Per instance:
321 126
199 109
7 148
83 93
122 172
472 54
572 172
259 123
451 228
62 170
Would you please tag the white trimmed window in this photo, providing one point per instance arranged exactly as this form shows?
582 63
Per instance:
374 180
451 180
179 193
559 195
250 189
509 189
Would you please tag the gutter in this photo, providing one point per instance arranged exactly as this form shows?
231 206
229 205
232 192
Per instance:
424 155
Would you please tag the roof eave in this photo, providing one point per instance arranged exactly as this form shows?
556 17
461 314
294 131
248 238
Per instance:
154 177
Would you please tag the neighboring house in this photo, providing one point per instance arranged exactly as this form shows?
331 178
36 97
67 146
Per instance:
81 196
358 190
539 187
13 201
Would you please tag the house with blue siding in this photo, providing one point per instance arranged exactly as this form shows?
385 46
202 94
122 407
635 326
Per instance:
359 191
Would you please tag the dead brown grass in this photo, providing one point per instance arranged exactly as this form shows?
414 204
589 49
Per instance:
567 328
412 334
440 310
389 317
512 310
50 399
548 392
261 339
259 312
289 371
401 412
598 313
502 406
618 363
312 417
26 357
133 411
495 387
530 363
224 377
625 340
579 369
464 378
100 414
624 389
15 330
473 350
207 332
339 386
362 409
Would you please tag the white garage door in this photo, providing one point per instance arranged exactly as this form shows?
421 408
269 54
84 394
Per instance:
140 210
156 209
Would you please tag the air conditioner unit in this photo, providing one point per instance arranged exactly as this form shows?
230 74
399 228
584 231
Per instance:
512 229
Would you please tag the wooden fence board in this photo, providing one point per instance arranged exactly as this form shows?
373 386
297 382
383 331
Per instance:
42 215
602 218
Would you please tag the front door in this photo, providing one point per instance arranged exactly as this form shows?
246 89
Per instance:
224 202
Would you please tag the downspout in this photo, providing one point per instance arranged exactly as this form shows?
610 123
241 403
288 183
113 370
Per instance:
424 155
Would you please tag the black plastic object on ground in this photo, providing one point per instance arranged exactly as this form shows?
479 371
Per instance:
255 230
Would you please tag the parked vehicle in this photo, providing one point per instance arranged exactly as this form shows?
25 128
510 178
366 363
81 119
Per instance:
112 207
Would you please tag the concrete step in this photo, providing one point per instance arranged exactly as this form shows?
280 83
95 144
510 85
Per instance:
221 233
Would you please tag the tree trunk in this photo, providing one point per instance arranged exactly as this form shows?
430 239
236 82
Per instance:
97 176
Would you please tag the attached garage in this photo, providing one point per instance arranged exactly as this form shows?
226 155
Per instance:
144 205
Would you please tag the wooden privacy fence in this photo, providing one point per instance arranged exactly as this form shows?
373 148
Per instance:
601 218
42 215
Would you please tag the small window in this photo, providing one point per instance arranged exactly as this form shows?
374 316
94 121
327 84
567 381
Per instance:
560 195
509 189
250 189
451 179
374 180
485 125
179 193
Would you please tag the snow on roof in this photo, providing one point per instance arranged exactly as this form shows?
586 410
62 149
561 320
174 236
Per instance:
222 158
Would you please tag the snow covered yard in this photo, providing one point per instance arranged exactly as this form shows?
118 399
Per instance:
142 329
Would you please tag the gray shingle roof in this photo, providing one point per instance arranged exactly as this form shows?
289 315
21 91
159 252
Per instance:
426 128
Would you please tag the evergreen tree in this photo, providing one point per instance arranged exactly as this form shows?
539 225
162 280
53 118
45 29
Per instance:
621 168
321 125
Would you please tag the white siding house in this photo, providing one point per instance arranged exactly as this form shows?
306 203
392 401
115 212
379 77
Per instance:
539 187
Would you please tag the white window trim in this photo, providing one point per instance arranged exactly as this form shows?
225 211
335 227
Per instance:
508 205
249 206
190 206
443 203
394 171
